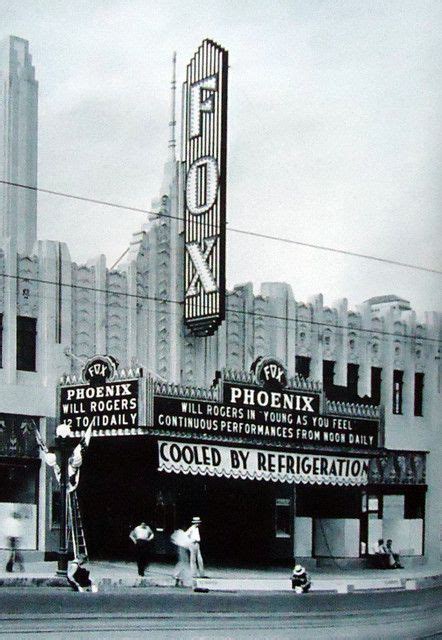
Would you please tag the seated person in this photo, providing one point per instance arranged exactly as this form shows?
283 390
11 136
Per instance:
381 552
380 548
301 582
78 575
393 557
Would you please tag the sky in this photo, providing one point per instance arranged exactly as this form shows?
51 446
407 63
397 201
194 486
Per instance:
334 131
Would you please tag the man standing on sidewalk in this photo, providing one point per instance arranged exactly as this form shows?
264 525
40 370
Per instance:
13 530
196 559
142 536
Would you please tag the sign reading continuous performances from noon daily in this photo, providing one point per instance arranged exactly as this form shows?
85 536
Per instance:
287 416
111 405
278 466
205 138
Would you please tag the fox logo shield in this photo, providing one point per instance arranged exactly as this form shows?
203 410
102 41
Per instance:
99 369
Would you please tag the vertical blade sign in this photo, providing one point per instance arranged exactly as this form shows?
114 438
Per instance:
205 149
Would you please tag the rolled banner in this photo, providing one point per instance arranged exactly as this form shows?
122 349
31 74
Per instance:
181 539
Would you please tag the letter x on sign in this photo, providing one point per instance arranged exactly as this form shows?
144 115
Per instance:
202 271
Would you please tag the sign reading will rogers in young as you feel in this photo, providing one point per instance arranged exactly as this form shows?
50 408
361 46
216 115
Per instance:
288 416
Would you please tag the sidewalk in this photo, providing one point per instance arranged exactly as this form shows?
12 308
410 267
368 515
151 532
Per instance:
112 576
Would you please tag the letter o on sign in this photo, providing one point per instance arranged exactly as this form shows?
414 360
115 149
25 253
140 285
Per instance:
202 185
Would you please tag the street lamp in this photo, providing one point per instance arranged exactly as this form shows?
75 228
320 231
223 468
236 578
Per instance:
62 444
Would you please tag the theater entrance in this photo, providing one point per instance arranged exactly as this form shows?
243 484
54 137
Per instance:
243 521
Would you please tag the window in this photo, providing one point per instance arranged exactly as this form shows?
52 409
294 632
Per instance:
376 379
302 366
352 380
26 343
282 518
328 373
398 382
1 340
414 506
418 394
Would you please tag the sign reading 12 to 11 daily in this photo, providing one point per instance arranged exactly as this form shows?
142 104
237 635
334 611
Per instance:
104 402
205 151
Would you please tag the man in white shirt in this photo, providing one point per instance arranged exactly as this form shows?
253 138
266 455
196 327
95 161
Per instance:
14 529
142 536
196 559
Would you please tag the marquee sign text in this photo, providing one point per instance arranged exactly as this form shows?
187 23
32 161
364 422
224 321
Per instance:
288 416
276 466
104 406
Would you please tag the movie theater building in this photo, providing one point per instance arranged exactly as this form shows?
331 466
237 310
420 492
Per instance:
334 445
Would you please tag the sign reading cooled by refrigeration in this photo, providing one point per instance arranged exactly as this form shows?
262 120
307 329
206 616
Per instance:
276 466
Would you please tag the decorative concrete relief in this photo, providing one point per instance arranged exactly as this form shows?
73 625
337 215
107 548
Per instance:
260 327
351 409
354 320
238 375
353 347
329 343
398 351
27 286
235 331
83 311
17 437
189 360
116 322
375 347
163 295
183 391
398 467
418 353
303 328
305 384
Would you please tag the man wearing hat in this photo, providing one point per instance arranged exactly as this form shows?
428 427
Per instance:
196 559
300 580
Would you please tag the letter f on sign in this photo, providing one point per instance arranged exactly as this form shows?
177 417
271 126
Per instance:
202 270
198 105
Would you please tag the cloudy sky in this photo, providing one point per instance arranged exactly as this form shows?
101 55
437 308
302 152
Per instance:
335 113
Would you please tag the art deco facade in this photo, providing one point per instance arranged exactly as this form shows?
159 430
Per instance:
55 314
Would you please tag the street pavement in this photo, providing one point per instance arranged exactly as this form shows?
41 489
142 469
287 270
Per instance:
167 613
233 603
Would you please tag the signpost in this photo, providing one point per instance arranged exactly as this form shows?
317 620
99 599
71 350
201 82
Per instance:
205 158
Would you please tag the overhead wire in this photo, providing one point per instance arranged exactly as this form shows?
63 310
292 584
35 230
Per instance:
247 232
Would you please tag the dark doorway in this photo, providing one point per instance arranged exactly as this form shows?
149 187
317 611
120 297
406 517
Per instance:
237 517
115 493
120 486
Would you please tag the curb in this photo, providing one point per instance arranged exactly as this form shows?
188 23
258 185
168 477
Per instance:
226 585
